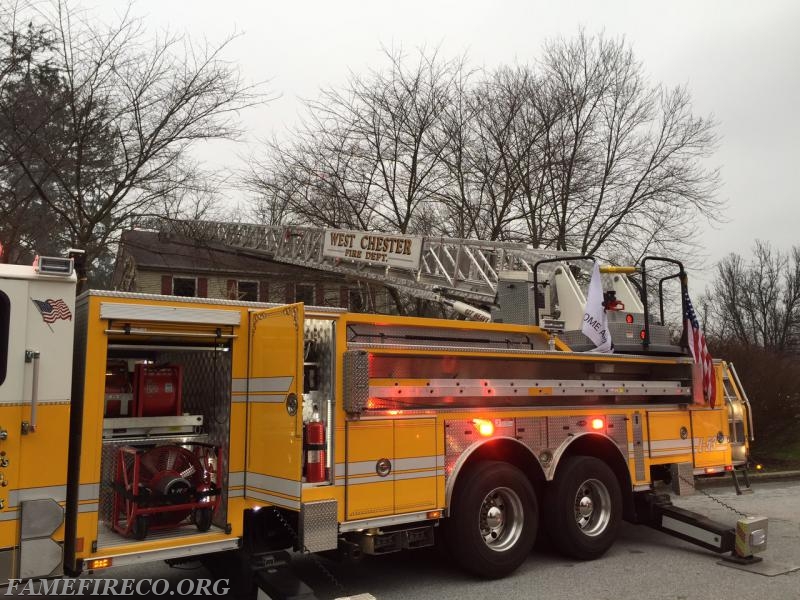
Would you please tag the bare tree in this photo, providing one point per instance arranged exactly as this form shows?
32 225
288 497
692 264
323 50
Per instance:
129 108
576 152
492 132
756 303
369 155
623 159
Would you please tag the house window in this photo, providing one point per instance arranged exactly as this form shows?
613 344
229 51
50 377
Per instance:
248 290
304 292
184 286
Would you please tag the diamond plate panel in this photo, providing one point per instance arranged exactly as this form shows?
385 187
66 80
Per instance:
617 430
319 525
638 446
533 433
516 300
622 334
682 479
559 428
207 392
458 436
356 381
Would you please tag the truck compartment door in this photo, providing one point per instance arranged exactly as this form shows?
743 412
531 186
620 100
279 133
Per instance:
274 396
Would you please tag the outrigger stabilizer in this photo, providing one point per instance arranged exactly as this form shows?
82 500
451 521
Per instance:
742 542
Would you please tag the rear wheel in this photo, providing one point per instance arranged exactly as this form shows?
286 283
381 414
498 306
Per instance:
583 507
493 520
140 527
202 518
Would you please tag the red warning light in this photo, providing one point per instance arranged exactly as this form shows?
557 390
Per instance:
629 319
484 426
641 334
598 424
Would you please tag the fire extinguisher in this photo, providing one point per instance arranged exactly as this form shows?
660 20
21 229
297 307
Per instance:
315 448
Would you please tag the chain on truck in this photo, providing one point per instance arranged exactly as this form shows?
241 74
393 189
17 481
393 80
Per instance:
138 427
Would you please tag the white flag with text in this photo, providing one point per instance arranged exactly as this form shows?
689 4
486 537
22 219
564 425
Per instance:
595 320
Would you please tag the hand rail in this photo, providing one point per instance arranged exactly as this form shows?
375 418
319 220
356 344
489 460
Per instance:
745 401
32 356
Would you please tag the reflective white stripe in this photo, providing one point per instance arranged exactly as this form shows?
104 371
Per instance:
670 444
274 484
235 493
691 531
92 507
662 453
383 521
425 475
236 478
405 464
8 516
88 491
269 384
272 499
363 472
373 479
263 399
366 467
356 468
677 447
392 476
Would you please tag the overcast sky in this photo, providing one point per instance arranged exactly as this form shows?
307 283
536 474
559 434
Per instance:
740 60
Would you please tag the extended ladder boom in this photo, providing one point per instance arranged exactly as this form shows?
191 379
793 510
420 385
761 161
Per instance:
425 267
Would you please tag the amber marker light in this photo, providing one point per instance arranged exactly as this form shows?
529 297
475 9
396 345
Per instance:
484 426
100 563
598 424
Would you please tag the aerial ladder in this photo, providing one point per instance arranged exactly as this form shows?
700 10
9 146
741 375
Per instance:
479 280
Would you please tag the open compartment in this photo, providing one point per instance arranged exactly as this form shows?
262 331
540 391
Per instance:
166 434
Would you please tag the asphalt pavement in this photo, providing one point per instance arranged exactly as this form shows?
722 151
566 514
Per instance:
643 563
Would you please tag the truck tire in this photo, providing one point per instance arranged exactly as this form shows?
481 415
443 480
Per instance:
493 520
583 507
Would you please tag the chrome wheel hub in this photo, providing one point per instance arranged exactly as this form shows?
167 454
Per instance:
500 519
592 507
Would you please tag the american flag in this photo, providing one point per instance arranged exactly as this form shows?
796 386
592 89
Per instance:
699 350
52 310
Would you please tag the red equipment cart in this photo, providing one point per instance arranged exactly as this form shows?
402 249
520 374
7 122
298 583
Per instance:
161 486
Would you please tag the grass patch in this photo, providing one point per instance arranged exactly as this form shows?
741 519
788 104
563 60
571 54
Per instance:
778 451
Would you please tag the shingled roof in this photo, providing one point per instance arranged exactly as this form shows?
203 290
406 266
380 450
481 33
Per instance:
156 251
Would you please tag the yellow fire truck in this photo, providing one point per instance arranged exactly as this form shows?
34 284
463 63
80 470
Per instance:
139 427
